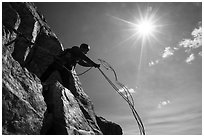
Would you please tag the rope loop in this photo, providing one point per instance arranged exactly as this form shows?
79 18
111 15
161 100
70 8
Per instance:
124 92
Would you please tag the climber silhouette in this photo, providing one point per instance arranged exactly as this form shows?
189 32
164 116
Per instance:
67 60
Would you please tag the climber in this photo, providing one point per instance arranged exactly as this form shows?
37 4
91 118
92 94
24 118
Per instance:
67 60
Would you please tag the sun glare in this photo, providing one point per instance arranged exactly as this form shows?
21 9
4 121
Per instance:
145 28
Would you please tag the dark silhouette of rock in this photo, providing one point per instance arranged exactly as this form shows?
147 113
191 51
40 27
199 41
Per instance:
23 105
64 115
108 127
28 107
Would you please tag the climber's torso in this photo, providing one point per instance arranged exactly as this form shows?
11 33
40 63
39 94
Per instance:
69 58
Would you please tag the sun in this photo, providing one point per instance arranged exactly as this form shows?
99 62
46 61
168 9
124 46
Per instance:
145 28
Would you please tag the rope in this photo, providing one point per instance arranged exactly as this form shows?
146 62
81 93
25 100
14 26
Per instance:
126 95
84 72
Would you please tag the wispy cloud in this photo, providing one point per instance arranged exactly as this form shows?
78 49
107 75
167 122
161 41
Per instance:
168 51
194 43
163 103
200 53
190 59
191 44
152 63
131 90
192 47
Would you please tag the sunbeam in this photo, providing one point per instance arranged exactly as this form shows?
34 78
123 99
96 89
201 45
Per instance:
144 30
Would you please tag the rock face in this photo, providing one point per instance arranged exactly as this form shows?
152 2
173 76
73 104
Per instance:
108 127
63 115
28 47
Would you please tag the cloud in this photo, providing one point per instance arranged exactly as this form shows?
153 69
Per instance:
163 103
125 93
168 51
131 90
195 42
152 63
191 46
200 53
190 59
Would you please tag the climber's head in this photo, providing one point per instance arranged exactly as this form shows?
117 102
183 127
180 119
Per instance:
84 48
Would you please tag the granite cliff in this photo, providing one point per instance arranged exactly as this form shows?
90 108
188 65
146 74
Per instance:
28 107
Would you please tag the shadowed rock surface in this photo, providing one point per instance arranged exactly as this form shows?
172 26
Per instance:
108 127
28 108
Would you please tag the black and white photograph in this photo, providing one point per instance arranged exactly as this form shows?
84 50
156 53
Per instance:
101 68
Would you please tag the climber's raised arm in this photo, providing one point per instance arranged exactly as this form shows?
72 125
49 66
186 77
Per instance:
82 59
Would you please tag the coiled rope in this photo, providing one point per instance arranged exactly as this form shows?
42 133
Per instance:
125 93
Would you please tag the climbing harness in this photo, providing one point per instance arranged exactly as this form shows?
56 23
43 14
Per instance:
126 95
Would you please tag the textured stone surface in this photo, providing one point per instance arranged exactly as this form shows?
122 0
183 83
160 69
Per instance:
23 105
28 47
64 115
108 127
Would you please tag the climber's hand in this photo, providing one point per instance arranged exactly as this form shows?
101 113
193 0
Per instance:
97 65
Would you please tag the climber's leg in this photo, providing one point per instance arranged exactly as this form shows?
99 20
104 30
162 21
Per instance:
65 76
48 72
68 81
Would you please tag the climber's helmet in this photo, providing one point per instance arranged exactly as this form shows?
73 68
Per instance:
84 48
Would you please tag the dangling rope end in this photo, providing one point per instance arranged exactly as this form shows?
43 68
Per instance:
125 94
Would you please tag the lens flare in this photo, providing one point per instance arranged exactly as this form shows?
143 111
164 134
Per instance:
145 28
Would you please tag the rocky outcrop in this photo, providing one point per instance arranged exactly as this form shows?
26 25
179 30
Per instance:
64 115
108 127
28 47
23 105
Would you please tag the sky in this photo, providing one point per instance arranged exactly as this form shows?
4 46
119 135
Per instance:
162 67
